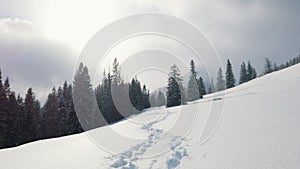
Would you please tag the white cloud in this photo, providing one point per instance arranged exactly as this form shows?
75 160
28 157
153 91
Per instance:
30 59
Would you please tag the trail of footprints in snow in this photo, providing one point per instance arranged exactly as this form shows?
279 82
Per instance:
128 159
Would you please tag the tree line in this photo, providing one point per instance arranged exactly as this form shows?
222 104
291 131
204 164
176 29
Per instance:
178 95
24 120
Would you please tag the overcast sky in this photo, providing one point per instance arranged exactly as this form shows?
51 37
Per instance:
40 40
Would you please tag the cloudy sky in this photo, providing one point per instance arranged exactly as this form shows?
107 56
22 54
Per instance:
40 40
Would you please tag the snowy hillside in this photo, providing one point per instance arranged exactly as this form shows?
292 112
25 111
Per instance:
259 129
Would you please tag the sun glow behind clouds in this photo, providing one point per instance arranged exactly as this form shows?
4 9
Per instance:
74 22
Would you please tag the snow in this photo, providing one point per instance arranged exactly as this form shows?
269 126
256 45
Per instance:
258 128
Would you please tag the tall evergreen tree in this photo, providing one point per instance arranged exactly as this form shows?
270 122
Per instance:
83 97
3 115
201 87
3 97
230 80
220 81
145 96
212 87
243 73
249 71
253 73
193 92
174 89
50 113
31 126
268 66
161 99
12 119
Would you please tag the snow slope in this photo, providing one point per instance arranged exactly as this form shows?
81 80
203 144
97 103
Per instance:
259 129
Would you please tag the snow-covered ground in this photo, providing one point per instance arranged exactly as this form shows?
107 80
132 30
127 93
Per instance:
259 129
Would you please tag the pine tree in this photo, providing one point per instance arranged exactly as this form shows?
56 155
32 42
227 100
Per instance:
243 73
268 66
253 73
145 98
74 126
275 67
3 97
62 115
201 87
220 80
31 126
161 99
83 97
249 71
193 92
174 92
20 122
230 80
12 119
212 87
3 115
50 113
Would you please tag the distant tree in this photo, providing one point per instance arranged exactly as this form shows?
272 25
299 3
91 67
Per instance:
174 89
161 99
275 67
201 87
268 66
145 96
220 80
83 96
13 116
50 116
212 87
3 115
243 73
249 71
3 97
193 90
230 80
254 75
32 116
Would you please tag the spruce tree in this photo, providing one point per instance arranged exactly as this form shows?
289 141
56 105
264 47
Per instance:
3 115
174 89
220 81
31 126
161 99
50 113
243 73
268 66
249 71
212 87
83 97
193 92
145 98
12 119
201 87
230 80
253 74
